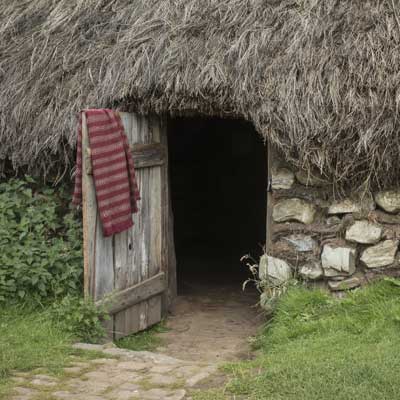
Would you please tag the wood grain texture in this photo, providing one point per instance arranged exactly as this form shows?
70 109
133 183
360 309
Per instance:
135 294
89 211
148 155
168 264
138 253
133 265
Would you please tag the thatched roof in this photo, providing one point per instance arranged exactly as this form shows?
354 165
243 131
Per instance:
320 78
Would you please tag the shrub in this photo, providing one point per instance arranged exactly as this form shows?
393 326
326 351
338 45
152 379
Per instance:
40 244
81 318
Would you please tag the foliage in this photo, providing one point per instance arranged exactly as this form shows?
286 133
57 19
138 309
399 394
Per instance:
143 341
271 290
317 347
40 245
80 318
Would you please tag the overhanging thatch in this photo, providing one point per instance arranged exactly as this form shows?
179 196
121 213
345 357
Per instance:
320 78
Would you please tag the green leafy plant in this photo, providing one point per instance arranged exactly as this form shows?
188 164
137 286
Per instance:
40 244
80 317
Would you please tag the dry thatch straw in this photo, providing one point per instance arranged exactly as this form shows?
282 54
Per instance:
319 78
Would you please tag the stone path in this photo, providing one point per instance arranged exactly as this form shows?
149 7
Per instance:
129 375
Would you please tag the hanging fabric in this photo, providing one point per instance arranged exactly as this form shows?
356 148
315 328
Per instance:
113 170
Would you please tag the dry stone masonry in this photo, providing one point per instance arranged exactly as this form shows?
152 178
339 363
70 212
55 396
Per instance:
340 242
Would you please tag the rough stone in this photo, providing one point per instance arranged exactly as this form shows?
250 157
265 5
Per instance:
88 346
339 277
333 221
25 392
380 255
204 374
308 179
103 361
43 380
302 243
344 207
161 369
155 394
123 394
339 258
294 209
345 284
282 178
364 232
275 269
137 366
389 200
73 370
161 379
312 270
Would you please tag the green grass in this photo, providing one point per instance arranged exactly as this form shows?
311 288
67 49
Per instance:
320 348
143 341
30 340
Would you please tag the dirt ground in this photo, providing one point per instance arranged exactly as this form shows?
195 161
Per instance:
212 322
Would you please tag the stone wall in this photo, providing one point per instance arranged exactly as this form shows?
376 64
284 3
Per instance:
340 243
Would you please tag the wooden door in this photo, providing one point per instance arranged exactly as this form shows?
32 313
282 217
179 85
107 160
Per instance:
133 272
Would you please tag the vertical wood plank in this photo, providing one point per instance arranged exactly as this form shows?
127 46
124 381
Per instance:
168 258
125 269
89 213
98 250
157 188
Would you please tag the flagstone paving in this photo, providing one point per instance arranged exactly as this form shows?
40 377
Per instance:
128 375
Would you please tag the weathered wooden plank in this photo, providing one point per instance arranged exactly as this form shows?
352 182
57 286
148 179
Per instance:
89 214
144 237
154 310
144 240
168 259
148 155
135 294
126 274
137 314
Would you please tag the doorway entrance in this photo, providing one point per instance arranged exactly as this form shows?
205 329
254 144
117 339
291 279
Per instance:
218 180
218 174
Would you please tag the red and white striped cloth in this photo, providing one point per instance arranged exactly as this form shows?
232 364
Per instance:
113 170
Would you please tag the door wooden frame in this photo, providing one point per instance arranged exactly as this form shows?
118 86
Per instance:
102 259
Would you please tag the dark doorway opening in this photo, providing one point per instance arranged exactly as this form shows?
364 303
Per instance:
218 173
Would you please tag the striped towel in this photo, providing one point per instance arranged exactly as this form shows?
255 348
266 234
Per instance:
113 170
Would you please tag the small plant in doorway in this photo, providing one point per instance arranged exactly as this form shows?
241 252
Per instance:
271 290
